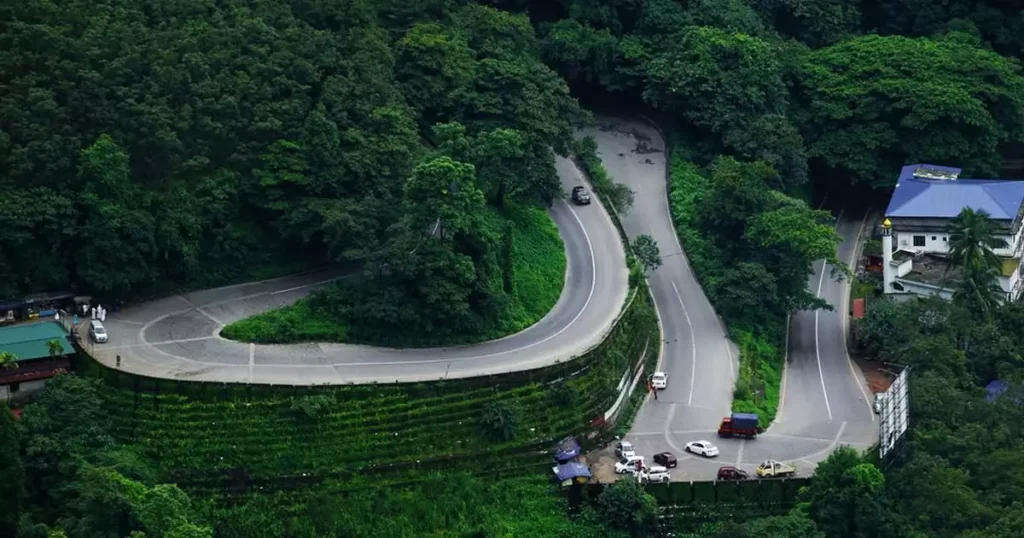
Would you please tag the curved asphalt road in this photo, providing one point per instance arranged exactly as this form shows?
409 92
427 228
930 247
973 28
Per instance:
701 362
177 337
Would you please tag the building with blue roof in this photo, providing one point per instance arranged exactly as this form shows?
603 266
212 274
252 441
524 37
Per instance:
915 233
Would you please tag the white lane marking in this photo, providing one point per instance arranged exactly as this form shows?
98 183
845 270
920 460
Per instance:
817 344
252 359
300 287
667 434
739 457
207 314
817 341
693 344
846 317
179 341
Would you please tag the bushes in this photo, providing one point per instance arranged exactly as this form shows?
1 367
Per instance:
499 421
759 378
300 322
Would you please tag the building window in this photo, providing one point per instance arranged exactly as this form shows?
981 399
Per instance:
933 238
946 239
918 240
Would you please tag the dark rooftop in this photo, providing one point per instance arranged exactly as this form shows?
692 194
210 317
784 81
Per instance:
934 270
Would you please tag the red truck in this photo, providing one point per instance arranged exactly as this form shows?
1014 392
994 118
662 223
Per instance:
739 424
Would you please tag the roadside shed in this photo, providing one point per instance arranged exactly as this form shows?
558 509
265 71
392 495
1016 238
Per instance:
36 362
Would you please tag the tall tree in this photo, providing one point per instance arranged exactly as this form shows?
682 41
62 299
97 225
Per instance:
973 240
874 103
117 244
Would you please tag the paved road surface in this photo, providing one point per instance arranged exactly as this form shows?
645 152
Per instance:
177 337
701 362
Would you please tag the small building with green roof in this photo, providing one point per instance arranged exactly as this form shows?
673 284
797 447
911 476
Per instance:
41 350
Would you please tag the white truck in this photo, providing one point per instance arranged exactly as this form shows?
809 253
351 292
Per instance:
775 469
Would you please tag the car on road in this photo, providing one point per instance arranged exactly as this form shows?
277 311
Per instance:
666 459
653 474
624 449
580 196
775 469
731 473
629 464
704 448
659 380
97 332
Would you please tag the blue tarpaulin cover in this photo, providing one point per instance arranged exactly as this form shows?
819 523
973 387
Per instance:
566 449
572 470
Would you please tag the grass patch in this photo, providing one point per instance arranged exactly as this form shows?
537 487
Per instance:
295 323
538 266
537 278
759 378
860 288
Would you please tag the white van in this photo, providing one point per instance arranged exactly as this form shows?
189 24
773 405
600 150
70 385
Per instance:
97 332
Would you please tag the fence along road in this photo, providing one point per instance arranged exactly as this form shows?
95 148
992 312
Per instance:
701 362
178 337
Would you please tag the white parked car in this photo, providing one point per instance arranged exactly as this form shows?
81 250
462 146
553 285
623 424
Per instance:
628 464
656 473
624 449
704 448
659 380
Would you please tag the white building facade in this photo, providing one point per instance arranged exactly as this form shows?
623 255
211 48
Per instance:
915 233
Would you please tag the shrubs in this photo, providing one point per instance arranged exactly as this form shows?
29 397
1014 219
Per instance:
499 421
759 378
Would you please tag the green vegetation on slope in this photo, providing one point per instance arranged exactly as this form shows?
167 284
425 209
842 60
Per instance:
202 435
450 505
531 286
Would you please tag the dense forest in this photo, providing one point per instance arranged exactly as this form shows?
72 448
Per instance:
156 145
167 144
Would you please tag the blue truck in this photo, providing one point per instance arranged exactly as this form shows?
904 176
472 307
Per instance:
739 424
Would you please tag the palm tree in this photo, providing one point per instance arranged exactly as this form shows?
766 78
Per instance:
979 289
8 360
972 240
55 348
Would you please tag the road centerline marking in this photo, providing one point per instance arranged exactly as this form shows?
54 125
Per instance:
693 343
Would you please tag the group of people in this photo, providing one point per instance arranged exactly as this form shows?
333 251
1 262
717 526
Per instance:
96 312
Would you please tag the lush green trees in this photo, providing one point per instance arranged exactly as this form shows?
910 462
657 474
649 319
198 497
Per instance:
874 103
12 474
625 505
645 248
